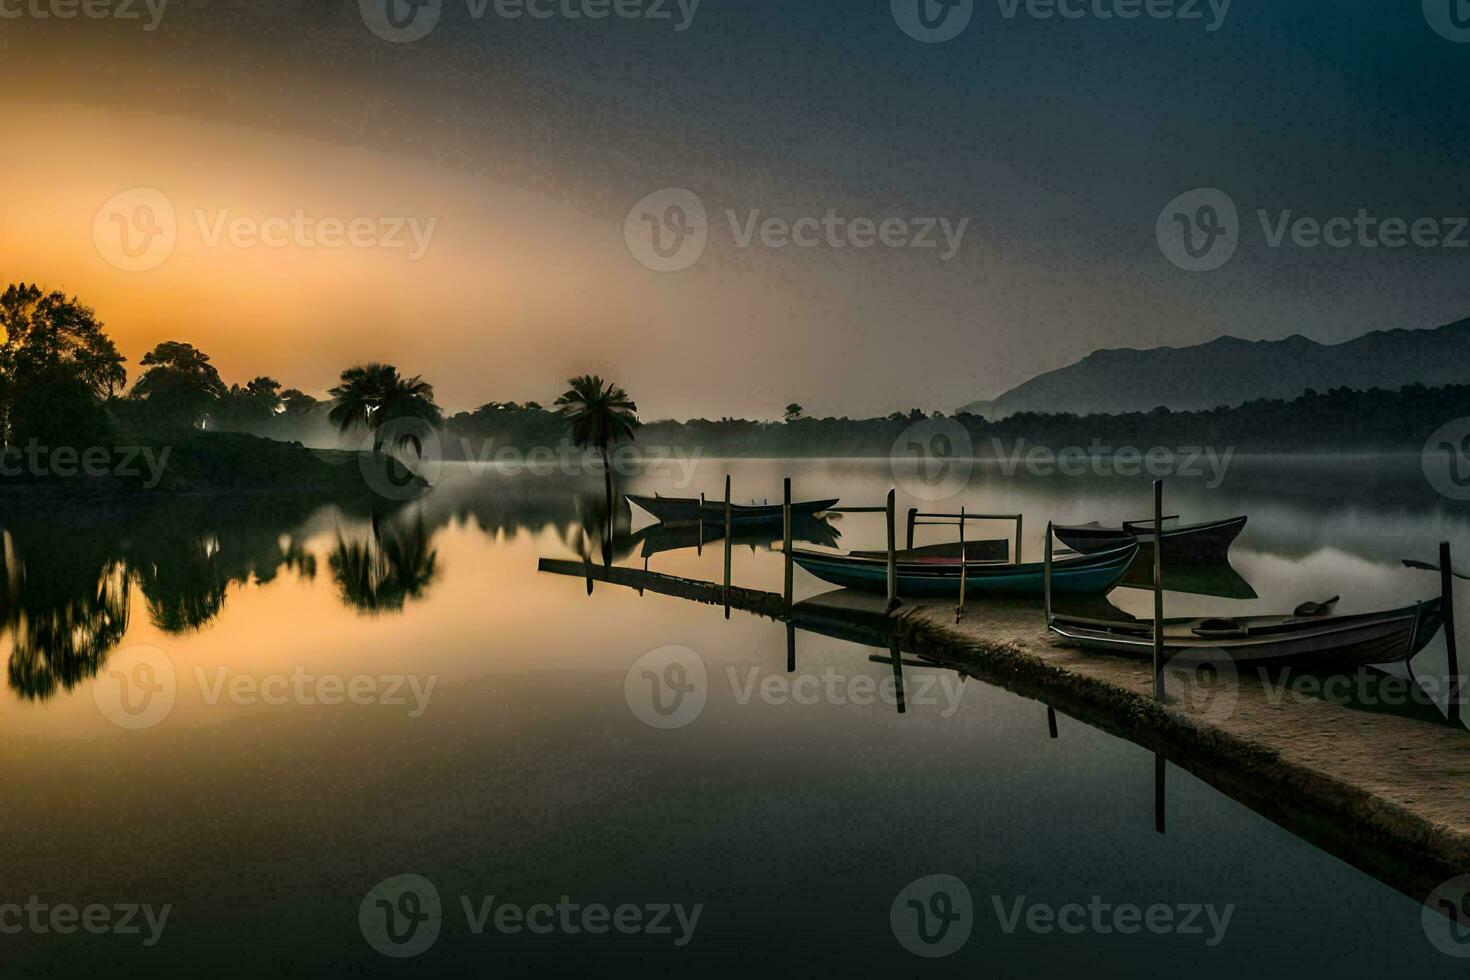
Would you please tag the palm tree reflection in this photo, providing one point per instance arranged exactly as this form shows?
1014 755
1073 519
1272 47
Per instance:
382 572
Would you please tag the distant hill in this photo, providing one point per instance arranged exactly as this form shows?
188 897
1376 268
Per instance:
1230 371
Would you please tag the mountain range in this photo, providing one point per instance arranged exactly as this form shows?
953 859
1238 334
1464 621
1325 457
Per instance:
1229 371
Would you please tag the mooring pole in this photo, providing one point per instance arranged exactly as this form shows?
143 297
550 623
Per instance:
728 535
960 609
892 551
786 541
1046 574
1158 590
1019 521
790 647
700 549
896 659
913 518
1051 720
1447 600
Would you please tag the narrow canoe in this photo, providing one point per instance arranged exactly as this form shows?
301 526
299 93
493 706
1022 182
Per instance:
1305 642
941 579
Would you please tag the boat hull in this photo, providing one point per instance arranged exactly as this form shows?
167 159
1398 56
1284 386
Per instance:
932 580
1195 544
1327 643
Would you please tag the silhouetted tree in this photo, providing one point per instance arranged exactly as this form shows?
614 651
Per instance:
180 386
56 366
370 396
598 414
793 412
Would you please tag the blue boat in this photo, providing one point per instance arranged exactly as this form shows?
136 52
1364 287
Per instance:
932 578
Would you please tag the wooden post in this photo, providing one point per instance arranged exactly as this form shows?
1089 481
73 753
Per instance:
1452 653
1046 574
892 551
896 658
1158 590
728 535
960 609
786 540
913 518
700 517
1051 720
1017 559
790 647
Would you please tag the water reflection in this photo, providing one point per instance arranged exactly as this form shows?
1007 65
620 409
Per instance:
382 570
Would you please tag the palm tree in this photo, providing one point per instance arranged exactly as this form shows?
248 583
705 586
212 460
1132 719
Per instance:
598 414
371 395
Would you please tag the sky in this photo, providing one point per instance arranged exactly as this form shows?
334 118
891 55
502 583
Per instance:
960 214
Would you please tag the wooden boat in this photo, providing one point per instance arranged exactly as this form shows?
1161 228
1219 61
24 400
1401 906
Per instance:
1317 643
935 577
673 510
1193 544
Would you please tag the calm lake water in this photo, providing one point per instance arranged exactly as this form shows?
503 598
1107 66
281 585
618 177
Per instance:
255 713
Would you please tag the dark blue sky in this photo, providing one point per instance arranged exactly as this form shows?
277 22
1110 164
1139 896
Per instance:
1060 141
